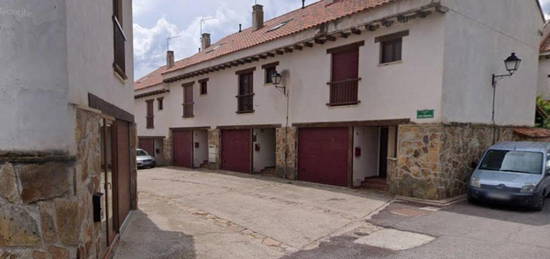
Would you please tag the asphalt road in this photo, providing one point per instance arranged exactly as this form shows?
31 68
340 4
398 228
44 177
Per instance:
461 231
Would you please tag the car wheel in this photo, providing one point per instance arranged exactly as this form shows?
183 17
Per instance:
539 203
471 199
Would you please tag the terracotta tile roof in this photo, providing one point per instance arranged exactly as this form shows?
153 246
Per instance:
533 132
152 79
290 23
296 21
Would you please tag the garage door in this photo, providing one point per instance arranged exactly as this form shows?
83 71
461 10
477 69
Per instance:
183 148
323 155
147 144
236 151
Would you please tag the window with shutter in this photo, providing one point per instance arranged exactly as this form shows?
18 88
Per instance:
161 103
345 75
119 64
391 47
245 97
150 114
203 86
188 101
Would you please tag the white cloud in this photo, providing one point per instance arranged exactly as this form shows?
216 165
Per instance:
150 41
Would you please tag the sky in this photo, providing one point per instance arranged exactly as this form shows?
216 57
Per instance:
157 20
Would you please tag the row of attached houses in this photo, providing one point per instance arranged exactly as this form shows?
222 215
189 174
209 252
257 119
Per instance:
350 93
67 136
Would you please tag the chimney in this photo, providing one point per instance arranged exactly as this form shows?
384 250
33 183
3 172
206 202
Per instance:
257 17
205 41
170 58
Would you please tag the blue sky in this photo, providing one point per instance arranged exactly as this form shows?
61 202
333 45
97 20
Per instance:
156 20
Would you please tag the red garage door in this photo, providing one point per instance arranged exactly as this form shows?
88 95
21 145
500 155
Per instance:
323 155
147 144
183 148
236 151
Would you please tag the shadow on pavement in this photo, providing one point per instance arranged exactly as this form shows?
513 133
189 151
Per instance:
143 239
501 212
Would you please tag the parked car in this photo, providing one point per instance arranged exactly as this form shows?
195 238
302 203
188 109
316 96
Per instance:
516 173
144 160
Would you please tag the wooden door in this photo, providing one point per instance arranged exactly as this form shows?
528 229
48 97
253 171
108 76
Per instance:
323 155
237 150
122 177
183 148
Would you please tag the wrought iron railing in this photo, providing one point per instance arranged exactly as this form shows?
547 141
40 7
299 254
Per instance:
344 92
245 103
188 110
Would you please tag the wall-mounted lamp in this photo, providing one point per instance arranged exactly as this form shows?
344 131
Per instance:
512 64
277 79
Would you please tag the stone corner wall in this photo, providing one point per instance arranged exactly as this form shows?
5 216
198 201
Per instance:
434 160
286 149
44 198
167 150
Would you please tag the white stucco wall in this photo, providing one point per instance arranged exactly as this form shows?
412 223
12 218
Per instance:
55 52
91 53
265 157
479 35
388 92
544 79
33 76
365 165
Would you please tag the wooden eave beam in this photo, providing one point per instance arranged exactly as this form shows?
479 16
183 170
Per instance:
356 31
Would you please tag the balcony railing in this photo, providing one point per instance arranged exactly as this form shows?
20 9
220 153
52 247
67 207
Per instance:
120 50
245 103
150 122
344 92
188 110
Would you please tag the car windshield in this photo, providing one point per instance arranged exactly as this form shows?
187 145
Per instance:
513 161
141 153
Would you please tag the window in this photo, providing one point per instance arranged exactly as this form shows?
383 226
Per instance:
204 86
119 64
188 100
513 161
245 97
150 114
391 47
270 70
345 75
160 103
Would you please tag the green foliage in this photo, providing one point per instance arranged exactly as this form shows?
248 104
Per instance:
543 110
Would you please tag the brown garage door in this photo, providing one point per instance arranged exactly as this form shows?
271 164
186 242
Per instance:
122 170
323 155
183 148
236 150
147 144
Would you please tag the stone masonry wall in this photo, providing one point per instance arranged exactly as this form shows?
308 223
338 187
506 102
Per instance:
434 161
45 199
167 150
286 152
214 143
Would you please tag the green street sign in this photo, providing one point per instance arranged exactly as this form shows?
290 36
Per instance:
425 114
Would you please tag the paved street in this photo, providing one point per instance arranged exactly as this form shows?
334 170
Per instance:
202 214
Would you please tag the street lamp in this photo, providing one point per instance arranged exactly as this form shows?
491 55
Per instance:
512 65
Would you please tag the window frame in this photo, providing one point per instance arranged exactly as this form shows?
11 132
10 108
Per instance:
119 40
150 113
271 67
351 82
203 85
188 107
393 41
242 97
160 103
